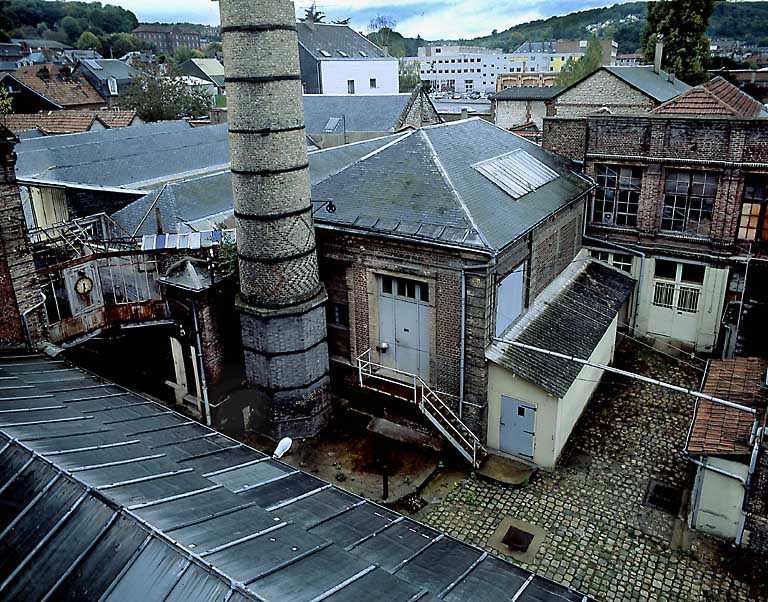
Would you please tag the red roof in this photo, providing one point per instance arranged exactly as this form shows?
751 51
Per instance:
717 97
721 429
59 84
66 122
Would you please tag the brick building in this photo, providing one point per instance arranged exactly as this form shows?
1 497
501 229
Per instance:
168 38
680 202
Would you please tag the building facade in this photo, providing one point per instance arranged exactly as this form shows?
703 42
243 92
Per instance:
679 203
168 38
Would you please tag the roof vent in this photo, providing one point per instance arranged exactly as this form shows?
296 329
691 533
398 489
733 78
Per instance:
516 173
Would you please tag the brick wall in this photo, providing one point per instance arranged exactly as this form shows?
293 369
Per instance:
566 137
419 112
601 89
211 339
18 281
350 265
555 243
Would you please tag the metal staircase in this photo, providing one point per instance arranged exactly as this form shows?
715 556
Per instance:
412 388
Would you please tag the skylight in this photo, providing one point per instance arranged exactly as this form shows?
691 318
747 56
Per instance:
516 173
363 54
342 53
325 53
92 64
331 125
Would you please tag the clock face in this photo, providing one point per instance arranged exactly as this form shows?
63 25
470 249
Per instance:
84 285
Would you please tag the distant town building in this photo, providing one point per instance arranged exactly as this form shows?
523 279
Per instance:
111 77
168 38
335 59
633 59
469 68
50 87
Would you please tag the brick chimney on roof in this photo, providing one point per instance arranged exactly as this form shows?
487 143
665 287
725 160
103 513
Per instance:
281 301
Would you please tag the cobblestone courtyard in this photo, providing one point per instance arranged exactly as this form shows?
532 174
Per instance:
600 537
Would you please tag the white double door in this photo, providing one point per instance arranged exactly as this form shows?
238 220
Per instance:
404 325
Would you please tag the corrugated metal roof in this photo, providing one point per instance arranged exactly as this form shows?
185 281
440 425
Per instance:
517 173
110 496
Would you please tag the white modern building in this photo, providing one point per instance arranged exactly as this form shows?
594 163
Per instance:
335 59
470 68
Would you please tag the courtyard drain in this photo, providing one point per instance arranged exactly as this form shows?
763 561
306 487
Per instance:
663 496
517 540
579 460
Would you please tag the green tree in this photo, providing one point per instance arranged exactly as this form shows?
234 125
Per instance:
6 101
184 54
312 15
88 41
683 26
409 75
212 49
157 98
71 27
576 70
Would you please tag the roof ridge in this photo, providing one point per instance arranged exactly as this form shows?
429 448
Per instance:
447 179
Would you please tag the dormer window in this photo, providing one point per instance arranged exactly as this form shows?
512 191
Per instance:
112 85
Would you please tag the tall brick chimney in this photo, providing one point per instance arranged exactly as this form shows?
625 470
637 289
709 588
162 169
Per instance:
281 301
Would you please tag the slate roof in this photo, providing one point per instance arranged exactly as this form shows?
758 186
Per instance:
424 186
207 201
116 68
362 113
108 495
719 429
40 43
570 316
134 157
211 68
643 78
61 86
528 93
66 122
330 38
716 97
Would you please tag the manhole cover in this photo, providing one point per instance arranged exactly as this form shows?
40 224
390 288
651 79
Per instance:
663 496
517 540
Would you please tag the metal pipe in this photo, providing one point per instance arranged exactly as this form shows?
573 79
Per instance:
633 375
720 471
747 490
741 304
203 383
462 345
25 321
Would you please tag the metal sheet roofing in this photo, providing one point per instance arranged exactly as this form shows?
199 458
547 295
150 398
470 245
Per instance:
517 173
571 317
656 85
110 496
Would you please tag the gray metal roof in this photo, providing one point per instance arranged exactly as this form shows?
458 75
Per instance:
210 197
321 39
528 93
107 495
570 316
356 112
645 79
124 157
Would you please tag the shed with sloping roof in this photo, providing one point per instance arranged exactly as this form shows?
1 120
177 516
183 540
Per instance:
535 400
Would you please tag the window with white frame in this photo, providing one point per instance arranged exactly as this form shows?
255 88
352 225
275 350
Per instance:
678 286
617 196
622 261
688 200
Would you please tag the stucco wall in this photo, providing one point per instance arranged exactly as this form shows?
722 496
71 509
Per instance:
510 113
335 74
710 306
555 419
716 500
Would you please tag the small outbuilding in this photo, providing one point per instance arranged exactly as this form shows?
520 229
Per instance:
534 399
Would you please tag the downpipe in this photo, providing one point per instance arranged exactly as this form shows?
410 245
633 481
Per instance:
25 320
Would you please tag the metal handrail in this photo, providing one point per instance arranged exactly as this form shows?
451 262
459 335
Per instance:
364 363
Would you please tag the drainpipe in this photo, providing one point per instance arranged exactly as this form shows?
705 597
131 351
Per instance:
463 341
629 250
199 349
741 304
25 321
747 488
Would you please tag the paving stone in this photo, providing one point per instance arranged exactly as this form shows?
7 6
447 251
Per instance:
601 538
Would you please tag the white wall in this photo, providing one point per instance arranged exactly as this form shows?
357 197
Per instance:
710 306
335 74
555 419
510 113
716 500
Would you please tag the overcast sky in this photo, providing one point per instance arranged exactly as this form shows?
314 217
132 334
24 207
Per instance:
432 19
